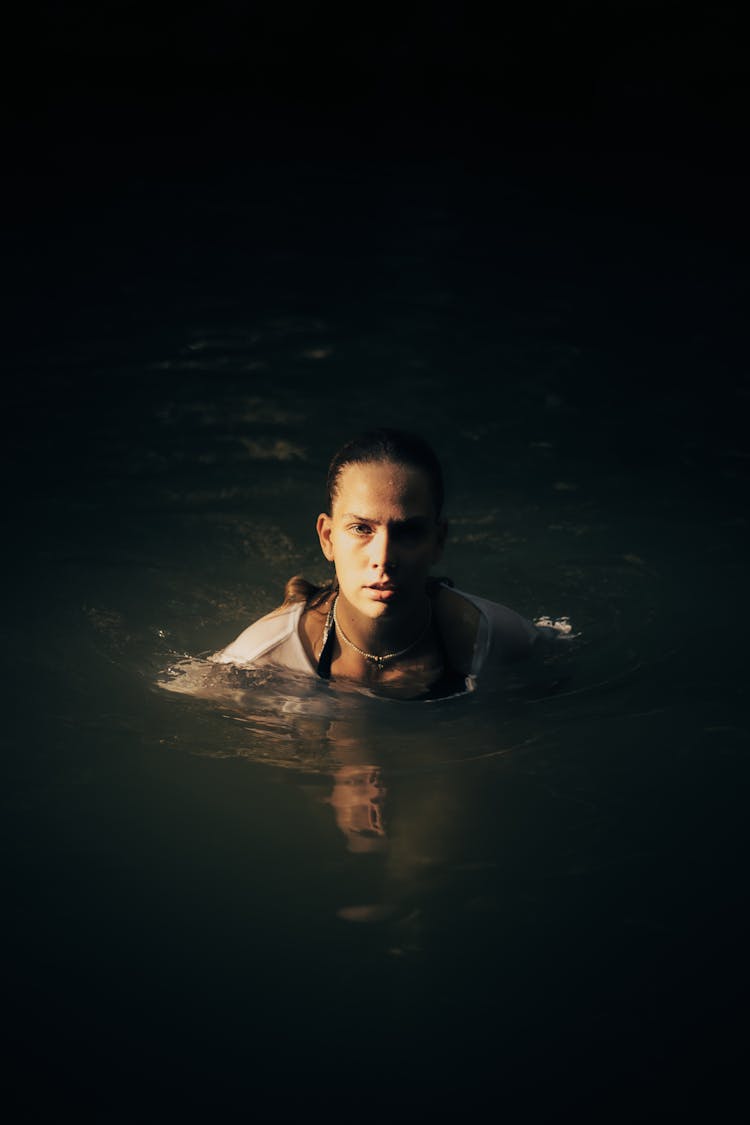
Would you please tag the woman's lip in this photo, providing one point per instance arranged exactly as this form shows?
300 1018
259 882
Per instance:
381 593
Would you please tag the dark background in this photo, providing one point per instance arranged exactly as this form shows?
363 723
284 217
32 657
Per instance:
645 102
664 82
132 132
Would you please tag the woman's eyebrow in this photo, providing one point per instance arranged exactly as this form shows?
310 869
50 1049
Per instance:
394 523
359 519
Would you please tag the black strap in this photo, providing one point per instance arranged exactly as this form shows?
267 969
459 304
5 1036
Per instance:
326 652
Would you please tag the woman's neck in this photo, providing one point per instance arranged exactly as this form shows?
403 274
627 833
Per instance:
383 634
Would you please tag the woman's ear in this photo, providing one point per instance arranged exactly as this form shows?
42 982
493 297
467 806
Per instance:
324 527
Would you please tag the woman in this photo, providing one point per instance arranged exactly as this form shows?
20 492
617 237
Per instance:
383 621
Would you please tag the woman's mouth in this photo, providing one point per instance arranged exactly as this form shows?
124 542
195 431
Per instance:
381 591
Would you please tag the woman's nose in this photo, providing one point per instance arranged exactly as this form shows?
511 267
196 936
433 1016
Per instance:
383 552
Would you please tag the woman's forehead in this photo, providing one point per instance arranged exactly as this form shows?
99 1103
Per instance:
379 488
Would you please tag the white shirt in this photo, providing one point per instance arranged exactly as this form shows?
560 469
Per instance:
275 638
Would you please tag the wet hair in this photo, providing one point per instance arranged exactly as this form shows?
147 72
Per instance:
399 446
372 447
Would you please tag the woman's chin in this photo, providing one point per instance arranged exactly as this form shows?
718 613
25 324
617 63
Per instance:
374 608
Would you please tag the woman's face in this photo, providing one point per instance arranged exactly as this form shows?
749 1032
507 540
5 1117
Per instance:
383 536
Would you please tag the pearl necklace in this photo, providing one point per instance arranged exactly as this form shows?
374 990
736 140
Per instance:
378 661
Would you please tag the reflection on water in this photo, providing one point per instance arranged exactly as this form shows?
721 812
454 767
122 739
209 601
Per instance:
358 799
377 765
404 784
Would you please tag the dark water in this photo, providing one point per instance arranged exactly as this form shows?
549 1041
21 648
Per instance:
546 906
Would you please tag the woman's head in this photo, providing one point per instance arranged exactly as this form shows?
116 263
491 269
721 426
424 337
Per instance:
383 528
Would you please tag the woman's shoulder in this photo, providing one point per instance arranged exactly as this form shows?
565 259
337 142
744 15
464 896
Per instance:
459 621
500 616
262 637
475 627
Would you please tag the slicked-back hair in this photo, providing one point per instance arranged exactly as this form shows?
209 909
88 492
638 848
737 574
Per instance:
398 446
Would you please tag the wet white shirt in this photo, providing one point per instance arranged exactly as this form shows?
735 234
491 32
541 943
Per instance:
275 639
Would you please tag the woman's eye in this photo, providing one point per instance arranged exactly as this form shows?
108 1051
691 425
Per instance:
360 529
410 534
